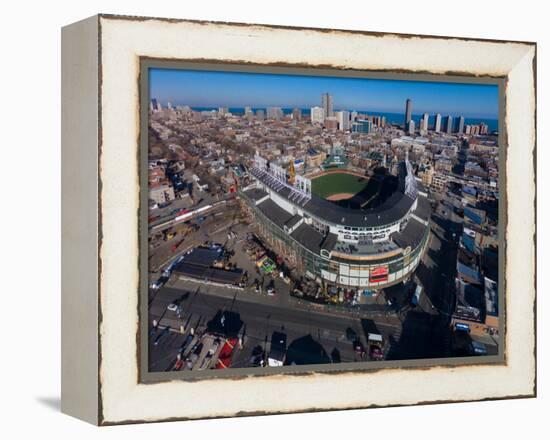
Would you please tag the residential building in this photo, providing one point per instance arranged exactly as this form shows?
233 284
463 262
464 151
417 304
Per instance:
437 123
449 124
317 115
327 104
275 113
408 112
343 118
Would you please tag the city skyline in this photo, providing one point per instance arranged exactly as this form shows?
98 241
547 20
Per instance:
236 89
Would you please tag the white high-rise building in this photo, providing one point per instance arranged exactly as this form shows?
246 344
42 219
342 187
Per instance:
424 123
460 126
275 113
449 124
408 111
317 115
437 124
343 118
411 126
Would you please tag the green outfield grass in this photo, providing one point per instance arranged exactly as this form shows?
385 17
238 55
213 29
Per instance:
330 184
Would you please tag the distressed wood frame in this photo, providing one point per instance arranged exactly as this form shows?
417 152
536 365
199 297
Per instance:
100 203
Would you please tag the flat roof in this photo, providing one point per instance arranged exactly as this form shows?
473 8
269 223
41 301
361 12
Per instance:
274 212
209 273
410 236
293 220
256 193
423 208
308 237
202 256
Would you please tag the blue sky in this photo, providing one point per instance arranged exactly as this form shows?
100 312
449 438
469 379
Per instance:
234 89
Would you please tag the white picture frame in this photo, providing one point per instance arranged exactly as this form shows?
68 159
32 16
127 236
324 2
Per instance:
101 193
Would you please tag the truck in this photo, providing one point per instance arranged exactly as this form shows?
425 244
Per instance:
277 353
376 346
415 300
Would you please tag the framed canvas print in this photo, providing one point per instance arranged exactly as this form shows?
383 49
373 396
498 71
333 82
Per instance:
303 219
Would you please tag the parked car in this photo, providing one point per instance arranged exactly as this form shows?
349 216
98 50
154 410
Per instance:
214 347
194 355
350 334
185 343
161 335
358 347
257 357
271 288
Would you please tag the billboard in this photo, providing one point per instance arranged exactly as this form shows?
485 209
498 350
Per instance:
379 274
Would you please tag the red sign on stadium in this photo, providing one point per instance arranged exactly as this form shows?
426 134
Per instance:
379 274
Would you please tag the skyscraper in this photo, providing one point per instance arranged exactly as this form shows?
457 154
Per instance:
410 127
424 122
343 120
296 114
317 115
408 112
327 104
155 105
248 113
274 113
361 126
449 124
460 125
437 123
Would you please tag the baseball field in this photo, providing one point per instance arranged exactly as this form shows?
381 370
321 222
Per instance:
338 186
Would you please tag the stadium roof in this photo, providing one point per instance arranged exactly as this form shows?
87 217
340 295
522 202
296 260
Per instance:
410 236
308 237
391 210
274 212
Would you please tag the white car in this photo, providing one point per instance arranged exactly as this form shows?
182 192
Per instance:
173 307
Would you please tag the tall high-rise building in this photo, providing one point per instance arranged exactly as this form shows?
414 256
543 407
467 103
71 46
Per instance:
248 113
317 115
410 127
343 120
327 104
260 114
275 113
408 112
361 126
424 123
483 128
296 114
460 125
155 105
437 123
449 124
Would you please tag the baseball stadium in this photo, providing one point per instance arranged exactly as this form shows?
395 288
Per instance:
340 227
